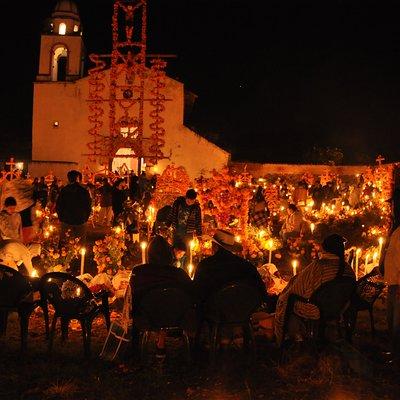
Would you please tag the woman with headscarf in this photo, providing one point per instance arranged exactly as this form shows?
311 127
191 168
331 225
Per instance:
159 272
330 264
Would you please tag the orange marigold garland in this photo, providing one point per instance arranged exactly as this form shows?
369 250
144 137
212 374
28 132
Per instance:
225 198
172 183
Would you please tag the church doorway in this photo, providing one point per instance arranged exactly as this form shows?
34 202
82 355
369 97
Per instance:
124 159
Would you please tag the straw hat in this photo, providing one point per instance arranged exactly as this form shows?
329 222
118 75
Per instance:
226 240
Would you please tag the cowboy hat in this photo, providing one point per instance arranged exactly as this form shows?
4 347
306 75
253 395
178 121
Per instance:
226 240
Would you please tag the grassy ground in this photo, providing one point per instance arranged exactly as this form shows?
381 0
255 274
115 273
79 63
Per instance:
67 375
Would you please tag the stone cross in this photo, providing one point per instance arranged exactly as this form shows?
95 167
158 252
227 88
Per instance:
380 159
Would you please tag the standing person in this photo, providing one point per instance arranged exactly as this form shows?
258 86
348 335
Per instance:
10 221
118 198
74 206
185 216
42 192
35 185
134 187
106 212
142 184
54 191
392 279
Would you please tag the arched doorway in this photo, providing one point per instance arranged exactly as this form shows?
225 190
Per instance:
124 158
59 64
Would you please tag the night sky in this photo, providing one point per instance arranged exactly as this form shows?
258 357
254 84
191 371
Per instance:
274 77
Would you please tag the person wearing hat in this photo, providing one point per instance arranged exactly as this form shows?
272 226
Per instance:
329 265
224 267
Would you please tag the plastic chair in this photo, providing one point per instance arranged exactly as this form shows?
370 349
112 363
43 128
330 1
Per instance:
163 309
332 299
232 306
367 292
72 299
16 294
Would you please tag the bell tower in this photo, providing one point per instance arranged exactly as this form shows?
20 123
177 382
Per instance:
61 46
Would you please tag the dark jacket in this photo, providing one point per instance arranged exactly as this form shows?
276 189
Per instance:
147 277
224 267
158 273
193 224
118 198
74 204
105 193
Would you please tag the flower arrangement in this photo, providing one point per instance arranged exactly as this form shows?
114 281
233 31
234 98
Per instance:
109 251
56 259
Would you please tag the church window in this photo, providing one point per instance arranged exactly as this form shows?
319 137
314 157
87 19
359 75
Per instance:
62 29
76 28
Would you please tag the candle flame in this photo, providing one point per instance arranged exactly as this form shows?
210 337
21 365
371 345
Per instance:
380 240
83 251
191 270
143 245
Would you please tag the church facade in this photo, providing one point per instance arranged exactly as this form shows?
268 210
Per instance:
60 128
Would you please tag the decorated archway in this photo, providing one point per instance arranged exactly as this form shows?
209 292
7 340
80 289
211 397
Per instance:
124 159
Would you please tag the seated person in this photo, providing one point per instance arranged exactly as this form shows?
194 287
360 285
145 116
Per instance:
293 224
224 267
10 221
179 252
330 264
159 272
14 254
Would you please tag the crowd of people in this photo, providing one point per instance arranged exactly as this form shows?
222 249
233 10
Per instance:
167 264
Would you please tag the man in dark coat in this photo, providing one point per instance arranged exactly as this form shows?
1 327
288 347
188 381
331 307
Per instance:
73 207
224 267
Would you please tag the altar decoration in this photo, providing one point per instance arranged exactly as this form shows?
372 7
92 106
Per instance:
109 251
172 183
56 259
225 198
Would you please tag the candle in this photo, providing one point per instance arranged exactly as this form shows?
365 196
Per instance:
358 252
143 246
380 241
375 258
294 266
366 264
270 244
83 252
191 247
191 270
312 228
